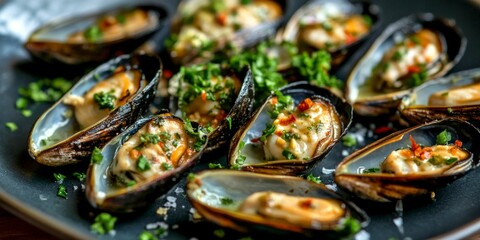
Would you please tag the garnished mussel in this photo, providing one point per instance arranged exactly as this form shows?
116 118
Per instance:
409 52
143 162
97 108
455 96
295 128
219 99
96 37
411 162
201 28
331 25
282 205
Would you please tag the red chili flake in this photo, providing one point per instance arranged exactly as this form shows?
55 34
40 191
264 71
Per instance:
383 130
167 73
278 133
222 18
288 120
273 101
458 143
414 69
305 105
306 203
254 140
425 154
415 146
349 38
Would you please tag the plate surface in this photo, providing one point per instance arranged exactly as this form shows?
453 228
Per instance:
28 189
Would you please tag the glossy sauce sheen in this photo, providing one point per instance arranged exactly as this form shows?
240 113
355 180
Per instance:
464 95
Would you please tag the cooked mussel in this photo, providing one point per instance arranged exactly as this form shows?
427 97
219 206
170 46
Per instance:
219 99
411 162
202 28
331 25
295 128
96 37
409 52
143 162
97 108
280 205
455 96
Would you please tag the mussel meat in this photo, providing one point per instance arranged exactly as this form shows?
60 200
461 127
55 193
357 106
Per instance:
97 108
96 37
295 128
217 98
411 162
281 205
201 28
455 96
409 52
143 163
331 25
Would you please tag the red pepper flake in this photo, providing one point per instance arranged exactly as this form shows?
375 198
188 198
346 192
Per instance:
458 143
306 104
274 100
167 73
254 140
414 69
349 38
306 203
222 18
278 133
204 96
287 120
415 146
383 130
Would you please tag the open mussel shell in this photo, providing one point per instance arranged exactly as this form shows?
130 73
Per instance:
240 111
361 89
247 151
108 190
218 196
385 187
210 27
56 137
455 96
307 28
127 27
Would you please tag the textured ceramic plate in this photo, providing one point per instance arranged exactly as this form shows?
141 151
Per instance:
28 189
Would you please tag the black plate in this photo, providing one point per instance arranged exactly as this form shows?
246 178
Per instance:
28 189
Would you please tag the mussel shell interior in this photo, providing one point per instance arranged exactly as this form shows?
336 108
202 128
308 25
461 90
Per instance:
205 190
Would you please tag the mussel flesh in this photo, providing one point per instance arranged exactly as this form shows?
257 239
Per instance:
409 52
219 99
97 37
286 206
411 162
201 28
455 96
142 163
292 130
331 25
97 108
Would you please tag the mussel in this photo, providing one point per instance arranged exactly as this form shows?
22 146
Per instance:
409 52
96 37
286 206
455 96
295 128
143 162
411 162
332 25
201 28
97 108
220 99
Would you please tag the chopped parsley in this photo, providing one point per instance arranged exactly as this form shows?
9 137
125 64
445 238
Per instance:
96 156
269 130
26 113
417 79
93 33
226 201
191 176
450 161
44 90
283 102
288 136
12 126
449 110
220 233
105 100
443 138
200 134
314 67
367 19
214 165
21 103
371 170
59 177
151 138
80 176
103 224
146 235
349 226
397 56
167 166
229 121
62 191
312 178
349 140
288 155
143 164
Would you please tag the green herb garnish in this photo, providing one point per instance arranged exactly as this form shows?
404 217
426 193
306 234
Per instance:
229 121
349 140
214 165
312 178
59 177
105 100
62 191
151 138
143 164
443 138
93 34
219 233
12 126
269 130
288 155
371 170
80 176
167 166
103 224
226 201
451 160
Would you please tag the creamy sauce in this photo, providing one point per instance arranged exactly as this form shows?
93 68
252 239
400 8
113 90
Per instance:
459 96
300 132
161 146
113 27
432 160
121 86
207 21
303 211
